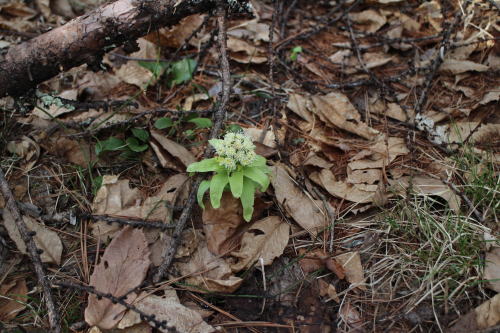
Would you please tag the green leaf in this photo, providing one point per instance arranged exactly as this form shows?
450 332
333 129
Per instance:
259 161
189 134
141 134
201 122
295 52
234 128
236 183
182 71
214 142
204 166
163 122
204 186
257 175
156 68
217 185
110 144
135 145
247 198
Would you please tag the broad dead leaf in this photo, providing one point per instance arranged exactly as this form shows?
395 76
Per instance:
208 271
266 239
115 197
327 289
169 308
244 52
379 154
174 37
251 30
371 19
360 193
13 299
484 316
173 148
351 263
307 212
123 267
45 239
461 66
351 317
26 148
336 109
425 185
221 225
492 268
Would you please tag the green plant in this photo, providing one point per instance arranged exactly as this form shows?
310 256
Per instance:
134 144
174 125
295 53
237 168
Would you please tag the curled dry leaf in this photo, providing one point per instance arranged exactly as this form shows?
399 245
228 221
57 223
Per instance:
492 268
484 316
371 19
266 239
351 264
45 239
425 185
221 225
115 197
328 290
26 148
351 317
174 149
244 52
123 267
174 37
461 66
307 212
13 300
169 308
208 272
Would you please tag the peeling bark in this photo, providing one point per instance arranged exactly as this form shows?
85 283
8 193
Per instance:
87 38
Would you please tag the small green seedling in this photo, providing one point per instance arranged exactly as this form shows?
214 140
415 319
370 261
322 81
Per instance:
237 168
136 143
295 53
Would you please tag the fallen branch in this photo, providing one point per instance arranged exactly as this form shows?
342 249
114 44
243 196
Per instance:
27 237
87 38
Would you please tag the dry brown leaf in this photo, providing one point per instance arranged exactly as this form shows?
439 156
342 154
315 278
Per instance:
461 66
221 225
256 134
251 30
79 153
133 73
245 53
301 106
123 267
266 240
13 300
379 154
327 289
425 185
175 37
315 160
484 316
139 328
492 268
351 263
169 308
26 148
115 197
351 316
336 109
360 193
45 239
208 271
307 212
173 148
371 19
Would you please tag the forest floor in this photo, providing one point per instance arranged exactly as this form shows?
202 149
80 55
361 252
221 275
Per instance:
380 123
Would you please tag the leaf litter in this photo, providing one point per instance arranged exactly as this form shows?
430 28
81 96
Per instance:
343 146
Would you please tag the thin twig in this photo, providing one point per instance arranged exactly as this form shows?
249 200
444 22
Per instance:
134 223
218 120
33 253
119 300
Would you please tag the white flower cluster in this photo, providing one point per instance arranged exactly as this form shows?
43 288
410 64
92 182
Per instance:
234 150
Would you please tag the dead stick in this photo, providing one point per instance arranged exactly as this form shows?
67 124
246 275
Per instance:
27 237
87 38
219 116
